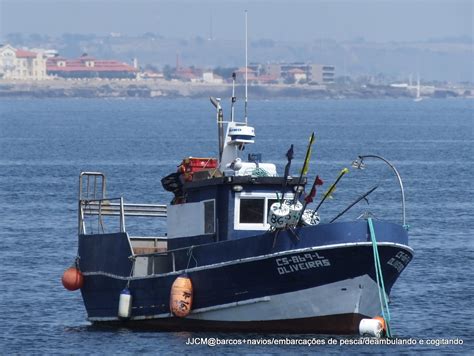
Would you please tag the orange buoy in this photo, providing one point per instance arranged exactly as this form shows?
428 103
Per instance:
382 321
181 296
72 279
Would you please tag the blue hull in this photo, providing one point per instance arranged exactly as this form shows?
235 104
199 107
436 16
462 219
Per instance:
247 270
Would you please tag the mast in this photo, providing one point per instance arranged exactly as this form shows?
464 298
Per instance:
233 100
418 85
246 67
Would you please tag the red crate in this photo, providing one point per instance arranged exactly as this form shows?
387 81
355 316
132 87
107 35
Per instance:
195 164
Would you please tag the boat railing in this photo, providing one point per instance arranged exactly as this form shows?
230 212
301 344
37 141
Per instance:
91 185
115 207
93 202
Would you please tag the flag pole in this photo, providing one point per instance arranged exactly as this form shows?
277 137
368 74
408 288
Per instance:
304 170
330 190
311 195
289 156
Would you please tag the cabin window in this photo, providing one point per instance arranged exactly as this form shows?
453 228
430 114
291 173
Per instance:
209 217
251 211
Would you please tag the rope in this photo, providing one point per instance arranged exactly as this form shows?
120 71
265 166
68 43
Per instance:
379 276
77 260
190 254
132 270
260 172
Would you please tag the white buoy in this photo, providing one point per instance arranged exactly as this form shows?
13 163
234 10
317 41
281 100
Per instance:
278 215
310 217
371 327
295 211
125 304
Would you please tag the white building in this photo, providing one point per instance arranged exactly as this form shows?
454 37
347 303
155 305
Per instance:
22 64
210 77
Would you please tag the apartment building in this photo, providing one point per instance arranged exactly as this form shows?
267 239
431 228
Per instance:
302 72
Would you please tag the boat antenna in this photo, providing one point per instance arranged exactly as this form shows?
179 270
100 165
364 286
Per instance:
216 102
234 99
246 67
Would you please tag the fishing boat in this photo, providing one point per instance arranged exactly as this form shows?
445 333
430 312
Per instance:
242 251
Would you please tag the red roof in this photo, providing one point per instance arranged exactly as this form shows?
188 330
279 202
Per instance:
21 53
87 58
188 75
78 65
267 78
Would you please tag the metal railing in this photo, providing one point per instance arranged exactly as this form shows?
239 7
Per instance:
116 207
91 182
92 202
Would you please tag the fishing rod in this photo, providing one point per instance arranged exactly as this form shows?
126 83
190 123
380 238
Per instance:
304 170
330 190
363 196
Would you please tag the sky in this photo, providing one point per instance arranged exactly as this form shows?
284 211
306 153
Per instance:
297 20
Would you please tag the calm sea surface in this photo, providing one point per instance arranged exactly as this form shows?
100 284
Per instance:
44 144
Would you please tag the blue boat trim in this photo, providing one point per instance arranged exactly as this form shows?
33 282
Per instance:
244 260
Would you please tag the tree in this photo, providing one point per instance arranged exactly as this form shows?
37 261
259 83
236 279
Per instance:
168 72
225 72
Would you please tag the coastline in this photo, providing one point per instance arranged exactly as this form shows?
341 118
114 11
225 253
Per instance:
100 88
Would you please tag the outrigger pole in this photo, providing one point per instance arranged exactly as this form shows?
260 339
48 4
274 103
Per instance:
363 196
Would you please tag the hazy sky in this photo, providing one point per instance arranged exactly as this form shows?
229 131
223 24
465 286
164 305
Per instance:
375 20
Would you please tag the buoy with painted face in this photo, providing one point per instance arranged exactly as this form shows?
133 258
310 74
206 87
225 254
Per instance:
72 279
181 296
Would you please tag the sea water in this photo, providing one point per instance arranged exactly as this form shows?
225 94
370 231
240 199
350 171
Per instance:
45 144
